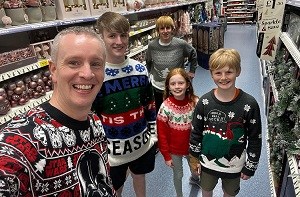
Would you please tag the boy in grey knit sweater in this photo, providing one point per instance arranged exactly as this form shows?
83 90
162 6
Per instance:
166 53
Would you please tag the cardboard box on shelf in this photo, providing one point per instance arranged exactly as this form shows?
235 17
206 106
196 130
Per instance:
118 5
17 59
98 7
68 9
209 38
42 49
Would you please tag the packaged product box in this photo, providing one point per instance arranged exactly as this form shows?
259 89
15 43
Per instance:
118 5
210 37
98 7
68 9
17 59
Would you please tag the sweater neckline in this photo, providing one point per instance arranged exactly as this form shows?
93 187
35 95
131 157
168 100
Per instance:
237 95
126 61
183 102
164 44
65 120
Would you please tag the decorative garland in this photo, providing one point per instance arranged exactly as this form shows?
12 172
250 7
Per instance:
284 116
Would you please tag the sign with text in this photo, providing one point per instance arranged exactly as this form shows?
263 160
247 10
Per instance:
270 17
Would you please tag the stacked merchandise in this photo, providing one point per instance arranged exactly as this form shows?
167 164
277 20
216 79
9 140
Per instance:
207 38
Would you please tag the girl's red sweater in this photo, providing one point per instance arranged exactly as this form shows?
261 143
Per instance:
174 127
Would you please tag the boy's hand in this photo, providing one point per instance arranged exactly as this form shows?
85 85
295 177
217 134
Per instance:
194 164
244 177
191 75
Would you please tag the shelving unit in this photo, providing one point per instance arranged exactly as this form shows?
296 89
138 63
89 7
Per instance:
23 70
57 23
289 184
291 46
294 173
23 108
238 11
133 33
139 50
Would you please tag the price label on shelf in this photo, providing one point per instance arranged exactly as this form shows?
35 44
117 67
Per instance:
43 63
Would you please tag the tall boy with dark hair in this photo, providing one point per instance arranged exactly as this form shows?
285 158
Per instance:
126 107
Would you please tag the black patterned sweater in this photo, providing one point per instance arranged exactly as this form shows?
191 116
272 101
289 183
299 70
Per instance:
46 153
226 136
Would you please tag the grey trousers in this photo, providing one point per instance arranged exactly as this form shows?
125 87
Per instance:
178 173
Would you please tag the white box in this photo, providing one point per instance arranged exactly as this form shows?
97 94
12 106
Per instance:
118 6
98 7
68 9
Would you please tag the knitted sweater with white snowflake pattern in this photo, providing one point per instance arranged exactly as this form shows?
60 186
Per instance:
174 122
161 59
126 107
226 136
44 152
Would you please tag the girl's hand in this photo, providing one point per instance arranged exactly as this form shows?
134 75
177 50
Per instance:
169 163
244 177
198 172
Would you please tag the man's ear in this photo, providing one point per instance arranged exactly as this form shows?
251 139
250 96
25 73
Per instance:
53 70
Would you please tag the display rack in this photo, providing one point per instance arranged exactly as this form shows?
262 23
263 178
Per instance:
291 47
25 69
133 33
237 11
141 49
289 185
23 108
57 23
295 3
295 53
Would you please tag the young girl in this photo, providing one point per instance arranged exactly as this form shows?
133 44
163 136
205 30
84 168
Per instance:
174 123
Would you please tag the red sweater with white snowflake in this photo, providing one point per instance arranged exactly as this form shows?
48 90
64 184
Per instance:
174 127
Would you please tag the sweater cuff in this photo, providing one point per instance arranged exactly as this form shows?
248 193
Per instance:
247 172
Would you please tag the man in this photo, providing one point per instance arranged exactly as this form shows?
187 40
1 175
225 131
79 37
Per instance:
125 105
59 148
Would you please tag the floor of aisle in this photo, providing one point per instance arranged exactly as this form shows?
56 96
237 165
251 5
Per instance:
159 182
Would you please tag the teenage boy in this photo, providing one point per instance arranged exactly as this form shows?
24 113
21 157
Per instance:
166 53
126 107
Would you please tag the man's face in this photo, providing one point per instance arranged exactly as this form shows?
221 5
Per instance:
116 45
78 73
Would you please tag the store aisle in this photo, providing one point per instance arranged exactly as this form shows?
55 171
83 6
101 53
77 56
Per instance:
159 182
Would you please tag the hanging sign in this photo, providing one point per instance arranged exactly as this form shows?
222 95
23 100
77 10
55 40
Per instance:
270 17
